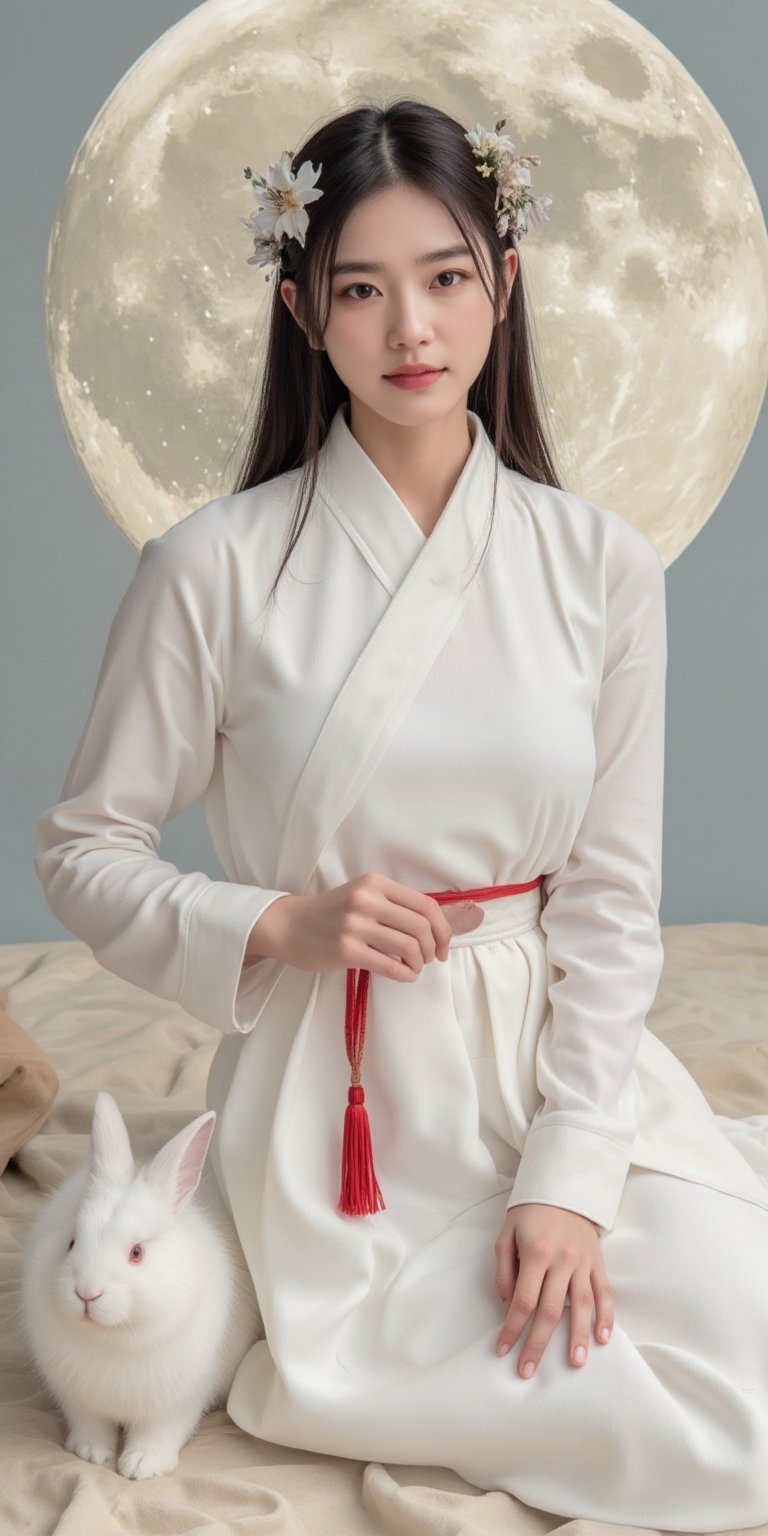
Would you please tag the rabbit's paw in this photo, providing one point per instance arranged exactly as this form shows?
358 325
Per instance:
93 1442
142 1459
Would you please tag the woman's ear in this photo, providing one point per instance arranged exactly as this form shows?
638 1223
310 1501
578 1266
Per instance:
511 261
288 296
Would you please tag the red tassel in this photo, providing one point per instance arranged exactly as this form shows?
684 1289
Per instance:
360 1189
360 1192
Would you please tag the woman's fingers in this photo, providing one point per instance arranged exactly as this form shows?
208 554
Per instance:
546 1255
538 1296
506 1271
547 1315
531 1271
582 1302
603 1293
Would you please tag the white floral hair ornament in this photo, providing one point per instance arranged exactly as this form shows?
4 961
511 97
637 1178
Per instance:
515 203
281 195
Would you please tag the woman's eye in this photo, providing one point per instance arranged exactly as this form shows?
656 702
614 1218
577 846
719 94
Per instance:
353 286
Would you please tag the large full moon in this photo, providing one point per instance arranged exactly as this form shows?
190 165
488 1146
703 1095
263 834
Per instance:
648 284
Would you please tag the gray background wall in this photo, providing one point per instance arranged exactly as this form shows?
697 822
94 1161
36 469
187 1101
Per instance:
65 566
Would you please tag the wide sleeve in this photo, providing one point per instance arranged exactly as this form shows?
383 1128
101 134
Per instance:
146 753
601 914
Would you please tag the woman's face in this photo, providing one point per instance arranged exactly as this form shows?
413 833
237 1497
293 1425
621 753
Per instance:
394 307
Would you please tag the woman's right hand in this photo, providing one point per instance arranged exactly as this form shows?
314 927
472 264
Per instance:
372 923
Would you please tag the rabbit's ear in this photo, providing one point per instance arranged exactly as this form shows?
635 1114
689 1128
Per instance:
111 1155
176 1168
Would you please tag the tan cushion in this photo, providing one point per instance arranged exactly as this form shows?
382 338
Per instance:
28 1085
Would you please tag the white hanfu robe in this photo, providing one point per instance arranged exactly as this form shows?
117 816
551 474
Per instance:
453 712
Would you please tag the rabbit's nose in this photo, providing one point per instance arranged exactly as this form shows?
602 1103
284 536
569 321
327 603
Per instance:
88 1298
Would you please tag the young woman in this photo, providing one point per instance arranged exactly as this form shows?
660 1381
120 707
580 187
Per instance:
419 687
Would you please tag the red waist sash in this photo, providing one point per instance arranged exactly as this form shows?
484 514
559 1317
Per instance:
360 1192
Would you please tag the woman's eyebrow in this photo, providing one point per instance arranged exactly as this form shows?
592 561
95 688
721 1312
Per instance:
421 261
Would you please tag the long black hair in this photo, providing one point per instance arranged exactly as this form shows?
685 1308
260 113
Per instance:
363 151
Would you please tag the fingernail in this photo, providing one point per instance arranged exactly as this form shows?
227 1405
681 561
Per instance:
579 1354
504 1349
605 1333
528 1368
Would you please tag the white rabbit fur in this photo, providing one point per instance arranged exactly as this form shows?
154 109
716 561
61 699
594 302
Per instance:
160 1344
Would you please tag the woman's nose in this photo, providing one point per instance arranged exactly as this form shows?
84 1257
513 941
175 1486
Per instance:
410 325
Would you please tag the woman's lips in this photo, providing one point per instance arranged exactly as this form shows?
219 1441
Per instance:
415 380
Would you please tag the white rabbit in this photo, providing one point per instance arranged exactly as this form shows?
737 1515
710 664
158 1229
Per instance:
137 1303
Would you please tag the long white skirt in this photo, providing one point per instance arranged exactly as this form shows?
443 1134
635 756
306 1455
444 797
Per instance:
664 1426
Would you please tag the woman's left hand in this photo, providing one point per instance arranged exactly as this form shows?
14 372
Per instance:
543 1252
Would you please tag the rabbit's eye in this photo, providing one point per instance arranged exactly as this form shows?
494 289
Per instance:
137 1253
71 1244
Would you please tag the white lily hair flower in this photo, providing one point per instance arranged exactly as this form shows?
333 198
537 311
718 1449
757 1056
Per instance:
281 197
515 203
